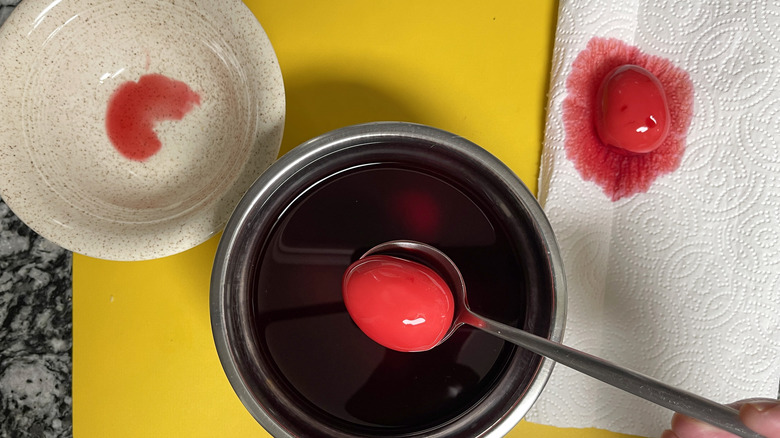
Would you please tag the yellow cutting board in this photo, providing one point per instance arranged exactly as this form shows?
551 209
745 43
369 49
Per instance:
144 363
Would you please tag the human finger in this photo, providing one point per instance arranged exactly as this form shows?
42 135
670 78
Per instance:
687 427
762 416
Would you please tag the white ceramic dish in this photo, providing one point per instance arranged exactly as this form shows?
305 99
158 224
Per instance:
62 62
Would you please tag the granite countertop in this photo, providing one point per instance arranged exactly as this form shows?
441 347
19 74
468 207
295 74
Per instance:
35 327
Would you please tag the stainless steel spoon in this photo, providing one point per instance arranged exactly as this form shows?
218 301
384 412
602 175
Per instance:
724 417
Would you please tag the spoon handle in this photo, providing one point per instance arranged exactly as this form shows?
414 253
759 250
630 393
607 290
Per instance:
724 417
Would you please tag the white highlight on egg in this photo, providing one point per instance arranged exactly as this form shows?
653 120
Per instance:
417 321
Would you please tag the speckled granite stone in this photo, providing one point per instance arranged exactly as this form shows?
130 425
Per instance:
35 333
35 327
6 6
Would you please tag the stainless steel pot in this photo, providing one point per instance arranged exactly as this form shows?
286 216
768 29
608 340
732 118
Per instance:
258 382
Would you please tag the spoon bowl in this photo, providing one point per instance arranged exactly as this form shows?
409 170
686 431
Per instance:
438 261
678 400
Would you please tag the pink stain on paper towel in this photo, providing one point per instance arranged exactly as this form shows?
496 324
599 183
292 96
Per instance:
618 172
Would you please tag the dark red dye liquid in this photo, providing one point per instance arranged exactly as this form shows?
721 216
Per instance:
323 359
136 107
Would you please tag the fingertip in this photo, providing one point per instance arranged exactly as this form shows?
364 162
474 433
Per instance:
762 417
669 434
679 420
687 427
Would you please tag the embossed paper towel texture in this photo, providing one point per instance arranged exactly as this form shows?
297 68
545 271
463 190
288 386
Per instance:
682 282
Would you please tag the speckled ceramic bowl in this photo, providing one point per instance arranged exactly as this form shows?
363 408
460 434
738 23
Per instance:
131 128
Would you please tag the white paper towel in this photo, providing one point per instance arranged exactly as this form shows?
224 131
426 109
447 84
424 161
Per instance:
681 282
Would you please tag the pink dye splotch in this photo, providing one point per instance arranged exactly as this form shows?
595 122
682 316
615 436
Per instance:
620 173
135 107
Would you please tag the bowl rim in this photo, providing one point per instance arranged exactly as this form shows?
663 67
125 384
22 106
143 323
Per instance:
332 141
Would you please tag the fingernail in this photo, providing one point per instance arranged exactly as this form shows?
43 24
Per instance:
764 406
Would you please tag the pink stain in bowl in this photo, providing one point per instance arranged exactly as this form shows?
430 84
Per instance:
618 172
136 107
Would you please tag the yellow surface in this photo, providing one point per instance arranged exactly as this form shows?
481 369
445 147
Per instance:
144 363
